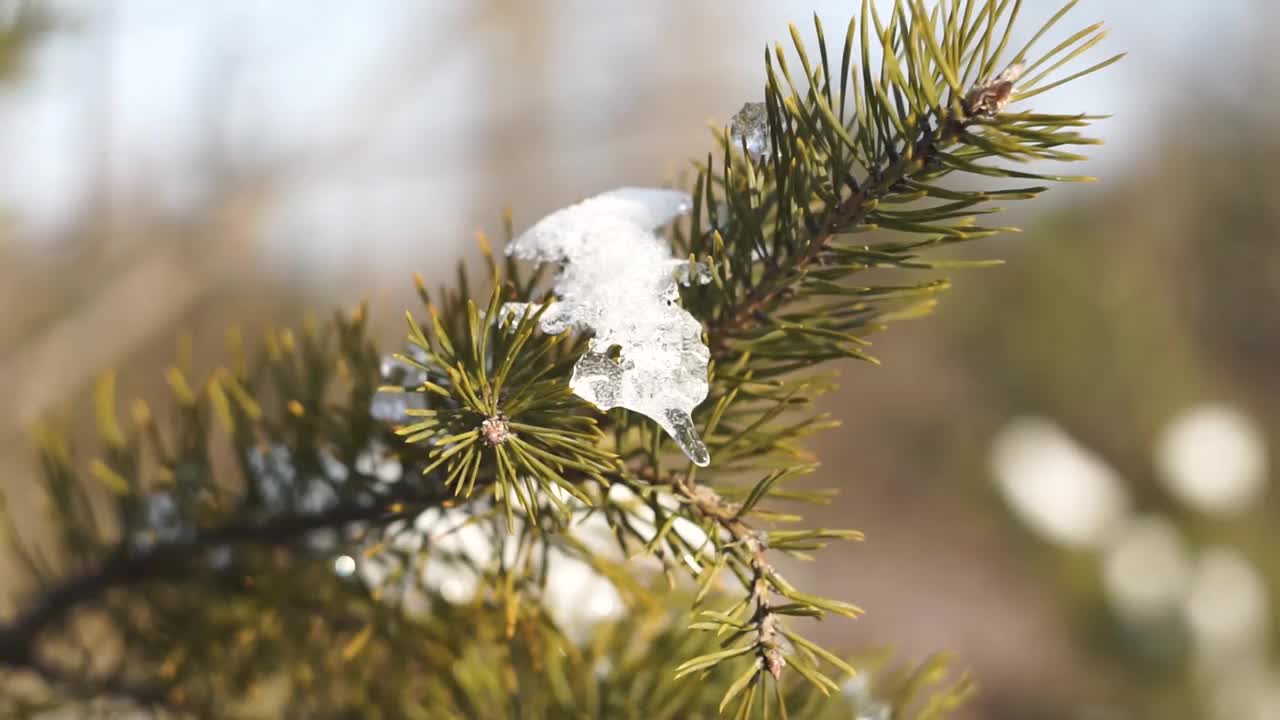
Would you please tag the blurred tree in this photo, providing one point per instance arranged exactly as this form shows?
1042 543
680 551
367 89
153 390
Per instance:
1141 326
322 529
20 26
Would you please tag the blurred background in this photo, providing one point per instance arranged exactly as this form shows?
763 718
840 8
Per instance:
1066 476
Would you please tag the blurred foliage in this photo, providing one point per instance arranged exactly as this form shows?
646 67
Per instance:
19 33
25 24
196 544
1137 305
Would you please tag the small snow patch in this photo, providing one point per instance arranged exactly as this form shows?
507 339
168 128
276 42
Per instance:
619 281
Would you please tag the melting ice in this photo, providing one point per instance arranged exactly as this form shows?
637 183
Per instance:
750 130
619 281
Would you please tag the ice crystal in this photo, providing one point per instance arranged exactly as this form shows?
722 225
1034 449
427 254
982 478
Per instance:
379 462
390 405
161 520
694 273
866 706
282 488
750 129
619 281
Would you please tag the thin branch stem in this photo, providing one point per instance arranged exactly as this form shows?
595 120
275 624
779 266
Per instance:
710 505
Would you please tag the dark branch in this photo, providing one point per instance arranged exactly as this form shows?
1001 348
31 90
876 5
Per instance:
128 567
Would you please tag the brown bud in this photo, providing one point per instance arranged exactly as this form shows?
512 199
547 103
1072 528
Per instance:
990 97
774 661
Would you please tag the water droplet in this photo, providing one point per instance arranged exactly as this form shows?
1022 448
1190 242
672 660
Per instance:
680 426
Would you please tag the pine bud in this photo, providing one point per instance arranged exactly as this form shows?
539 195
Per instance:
990 98
495 430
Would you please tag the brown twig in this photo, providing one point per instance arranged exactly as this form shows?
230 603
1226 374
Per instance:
710 505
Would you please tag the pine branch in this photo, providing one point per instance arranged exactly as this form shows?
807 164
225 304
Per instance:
777 280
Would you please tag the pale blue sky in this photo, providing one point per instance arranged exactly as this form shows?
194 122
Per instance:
146 79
